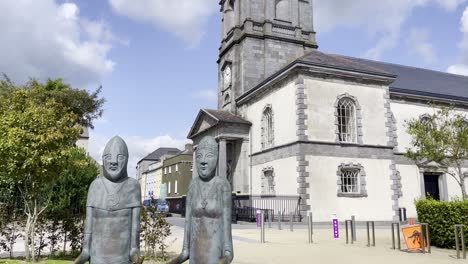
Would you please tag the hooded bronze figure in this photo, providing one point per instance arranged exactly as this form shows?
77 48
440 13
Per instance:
208 237
112 225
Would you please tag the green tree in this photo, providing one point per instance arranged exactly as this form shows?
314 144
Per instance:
39 125
441 137
68 201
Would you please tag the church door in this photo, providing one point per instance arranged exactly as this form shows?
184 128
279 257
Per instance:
431 186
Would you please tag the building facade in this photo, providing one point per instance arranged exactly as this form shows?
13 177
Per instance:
143 165
330 129
177 172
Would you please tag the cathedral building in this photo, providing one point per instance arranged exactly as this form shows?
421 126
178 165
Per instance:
330 129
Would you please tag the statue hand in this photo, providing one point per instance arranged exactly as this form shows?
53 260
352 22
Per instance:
184 256
135 255
83 257
227 258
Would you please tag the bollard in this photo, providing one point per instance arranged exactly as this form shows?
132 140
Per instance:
425 238
310 228
279 220
353 232
397 225
460 233
262 228
370 223
269 219
291 216
349 223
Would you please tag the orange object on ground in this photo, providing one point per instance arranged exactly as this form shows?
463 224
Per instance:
413 238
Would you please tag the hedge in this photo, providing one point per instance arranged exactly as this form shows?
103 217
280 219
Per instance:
441 217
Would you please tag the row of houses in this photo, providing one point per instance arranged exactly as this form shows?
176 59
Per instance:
165 172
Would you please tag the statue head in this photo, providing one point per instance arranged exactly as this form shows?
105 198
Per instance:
115 159
206 158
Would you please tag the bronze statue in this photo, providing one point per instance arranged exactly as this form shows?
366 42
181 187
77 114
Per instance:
207 238
112 225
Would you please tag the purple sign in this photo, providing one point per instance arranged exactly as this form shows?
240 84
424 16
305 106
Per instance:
336 232
259 218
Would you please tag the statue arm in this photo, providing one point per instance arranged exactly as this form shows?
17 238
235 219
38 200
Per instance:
87 234
227 231
185 255
188 220
135 235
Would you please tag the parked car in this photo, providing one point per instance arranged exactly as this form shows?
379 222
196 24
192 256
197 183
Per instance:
162 207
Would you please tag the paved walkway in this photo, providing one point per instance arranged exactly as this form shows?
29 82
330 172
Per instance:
291 247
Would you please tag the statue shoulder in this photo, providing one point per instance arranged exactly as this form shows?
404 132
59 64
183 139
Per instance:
133 184
224 183
95 184
94 192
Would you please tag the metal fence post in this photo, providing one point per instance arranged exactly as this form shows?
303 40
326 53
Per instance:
310 228
369 224
291 221
269 218
349 223
279 220
397 225
426 241
460 232
262 228
353 233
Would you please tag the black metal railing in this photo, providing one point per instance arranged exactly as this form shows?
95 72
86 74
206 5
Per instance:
245 207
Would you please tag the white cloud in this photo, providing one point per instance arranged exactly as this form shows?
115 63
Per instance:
382 19
418 43
450 5
462 66
459 69
184 18
138 147
209 95
44 39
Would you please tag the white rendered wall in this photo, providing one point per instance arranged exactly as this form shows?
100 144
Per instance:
323 189
83 143
405 112
283 102
150 184
285 176
410 187
321 98
157 183
143 186
453 188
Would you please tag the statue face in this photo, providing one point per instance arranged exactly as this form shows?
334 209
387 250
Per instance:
115 159
207 159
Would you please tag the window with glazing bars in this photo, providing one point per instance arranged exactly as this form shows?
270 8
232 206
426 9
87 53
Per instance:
347 120
349 180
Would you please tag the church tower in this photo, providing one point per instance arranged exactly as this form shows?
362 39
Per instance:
259 37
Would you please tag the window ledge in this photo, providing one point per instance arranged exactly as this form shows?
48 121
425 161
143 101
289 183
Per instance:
352 195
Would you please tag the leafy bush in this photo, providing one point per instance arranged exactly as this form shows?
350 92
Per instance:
441 217
155 229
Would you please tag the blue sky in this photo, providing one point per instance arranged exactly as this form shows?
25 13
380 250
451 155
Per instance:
156 59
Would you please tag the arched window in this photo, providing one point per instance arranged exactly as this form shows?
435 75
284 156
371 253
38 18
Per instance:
267 128
268 181
282 10
346 114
